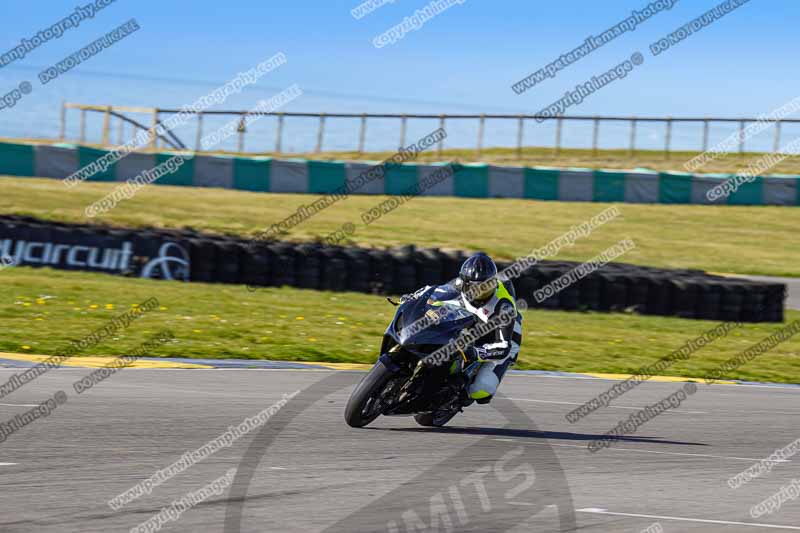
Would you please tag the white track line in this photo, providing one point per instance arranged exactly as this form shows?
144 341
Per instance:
7 464
20 404
683 519
645 451
609 406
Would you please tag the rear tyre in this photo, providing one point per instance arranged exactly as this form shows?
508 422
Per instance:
431 420
424 419
364 404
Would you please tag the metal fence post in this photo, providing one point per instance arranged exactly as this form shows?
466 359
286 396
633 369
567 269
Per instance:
595 134
558 134
777 142
440 147
520 127
632 149
403 121
279 134
705 135
362 133
320 132
481 125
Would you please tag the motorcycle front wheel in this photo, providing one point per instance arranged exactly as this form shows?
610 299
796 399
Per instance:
364 404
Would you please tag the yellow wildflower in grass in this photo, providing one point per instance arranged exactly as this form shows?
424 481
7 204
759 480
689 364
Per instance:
93 306
26 347
109 306
162 308
197 330
40 301
299 318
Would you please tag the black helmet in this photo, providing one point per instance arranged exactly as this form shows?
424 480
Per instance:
478 279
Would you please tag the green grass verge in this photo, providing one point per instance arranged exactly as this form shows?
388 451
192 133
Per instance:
737 239
42 310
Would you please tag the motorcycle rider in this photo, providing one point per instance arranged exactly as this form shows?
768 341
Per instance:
486 296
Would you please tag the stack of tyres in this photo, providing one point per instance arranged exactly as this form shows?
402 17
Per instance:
308 266
228 261
684 294
282 264
452 261
405 272
255 270
358 268
731 301
709 296
381 278
637 292
430 267
589 293
203 254
333 269
658 296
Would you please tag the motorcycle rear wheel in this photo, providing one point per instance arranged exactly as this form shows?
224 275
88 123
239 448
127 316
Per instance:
428 420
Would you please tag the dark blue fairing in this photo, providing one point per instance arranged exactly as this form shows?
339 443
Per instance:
438 316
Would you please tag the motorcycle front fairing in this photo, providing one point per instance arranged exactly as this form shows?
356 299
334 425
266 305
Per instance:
439 316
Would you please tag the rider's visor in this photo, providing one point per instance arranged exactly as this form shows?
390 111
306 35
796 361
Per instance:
480 290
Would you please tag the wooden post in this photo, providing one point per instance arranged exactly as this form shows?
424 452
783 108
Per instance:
559 122
83 125
362 133
481 125
632 149
62 131
242 129
320 132
106 126
198 141
669 138
279 134
440 147
520 128
120 131
403 124
154 137
741 136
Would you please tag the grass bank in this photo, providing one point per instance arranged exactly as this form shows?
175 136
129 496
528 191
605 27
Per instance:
42 310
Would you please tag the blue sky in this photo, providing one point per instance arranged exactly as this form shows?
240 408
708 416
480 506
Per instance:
465 59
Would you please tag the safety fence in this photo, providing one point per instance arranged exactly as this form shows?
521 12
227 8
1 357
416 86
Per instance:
472 180
127 121
189 255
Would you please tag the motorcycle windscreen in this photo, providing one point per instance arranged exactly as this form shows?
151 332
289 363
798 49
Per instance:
435 317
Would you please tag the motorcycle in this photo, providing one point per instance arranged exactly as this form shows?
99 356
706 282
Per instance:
419 373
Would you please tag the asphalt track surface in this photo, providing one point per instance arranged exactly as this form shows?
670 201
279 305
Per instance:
521 467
